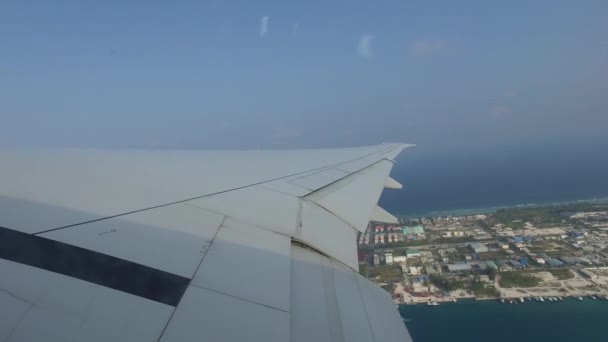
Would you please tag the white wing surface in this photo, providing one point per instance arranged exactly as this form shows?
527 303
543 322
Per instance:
189 246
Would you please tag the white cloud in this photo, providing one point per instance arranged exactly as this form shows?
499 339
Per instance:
264 22
364 49
427 46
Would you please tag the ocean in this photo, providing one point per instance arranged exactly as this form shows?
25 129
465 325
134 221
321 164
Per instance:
470 320
452 180
437 181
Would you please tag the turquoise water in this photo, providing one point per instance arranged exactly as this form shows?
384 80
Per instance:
456 180
469 320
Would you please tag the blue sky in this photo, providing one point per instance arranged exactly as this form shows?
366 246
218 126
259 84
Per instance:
283 74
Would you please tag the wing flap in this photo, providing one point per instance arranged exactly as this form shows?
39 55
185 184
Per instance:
327 233
353 198
334 303
383 216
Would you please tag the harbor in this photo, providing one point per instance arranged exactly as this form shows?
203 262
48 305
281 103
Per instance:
568 319
541 299
518 300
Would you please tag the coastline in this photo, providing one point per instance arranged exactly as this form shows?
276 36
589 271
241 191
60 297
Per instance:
492 209
470 320
550 287
472 298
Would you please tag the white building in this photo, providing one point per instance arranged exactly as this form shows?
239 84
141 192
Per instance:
412 253
388 258
399 259
478 247
459 267
376 260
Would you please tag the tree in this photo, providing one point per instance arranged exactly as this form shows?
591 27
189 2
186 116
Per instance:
443 283
491 273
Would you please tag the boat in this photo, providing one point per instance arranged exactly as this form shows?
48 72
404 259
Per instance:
541 299
550 299
560 298
606 297
521 299
432 303
502 300
593 297
579 298
454 300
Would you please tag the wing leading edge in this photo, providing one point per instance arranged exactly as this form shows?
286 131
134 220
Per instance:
274 250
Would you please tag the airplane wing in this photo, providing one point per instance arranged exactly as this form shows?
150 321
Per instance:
130 245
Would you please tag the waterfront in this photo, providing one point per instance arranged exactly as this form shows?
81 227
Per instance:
470 320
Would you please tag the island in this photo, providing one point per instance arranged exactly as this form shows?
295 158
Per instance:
526 253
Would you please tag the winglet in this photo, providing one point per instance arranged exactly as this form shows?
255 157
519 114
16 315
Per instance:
392 184
383 216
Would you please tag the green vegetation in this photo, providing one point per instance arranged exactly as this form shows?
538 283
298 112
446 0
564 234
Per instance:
554 254
562 273
539 248
363 269
445 284
387 287
516 217
517 279
454 240
412 243
480 290
385 273
498 255
401 251
491 273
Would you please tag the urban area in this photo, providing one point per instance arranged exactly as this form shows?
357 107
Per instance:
511 255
